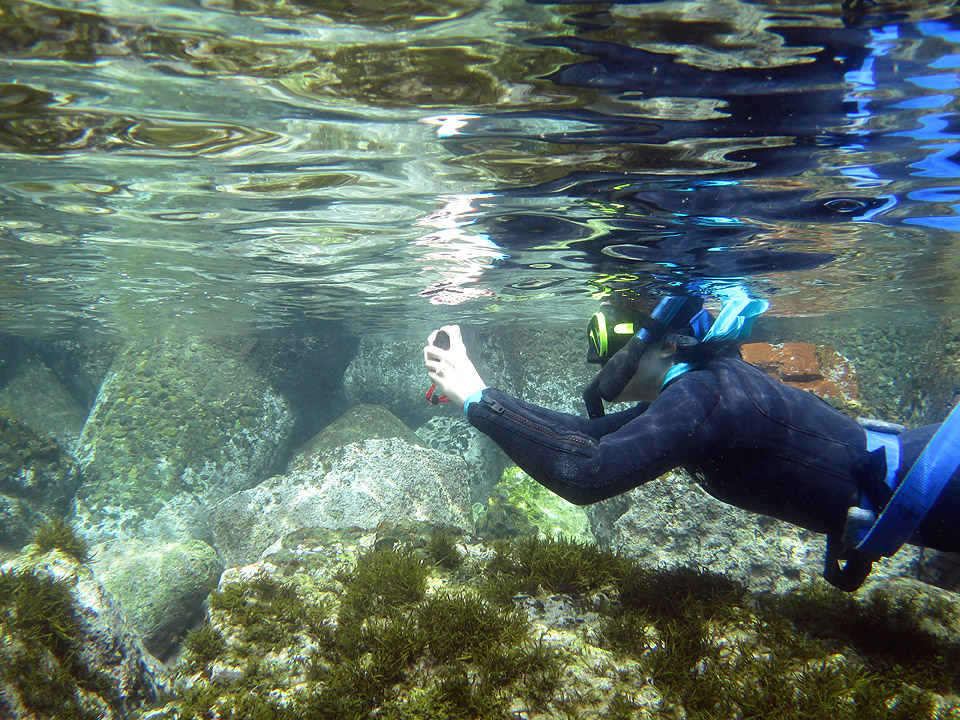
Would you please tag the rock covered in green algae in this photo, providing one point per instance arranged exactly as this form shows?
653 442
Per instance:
35 397
343 626
362 422
67 651
37 480
176 426
362 485
160 586
347 627
520 505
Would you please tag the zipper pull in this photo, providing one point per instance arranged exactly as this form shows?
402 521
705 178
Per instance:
494 405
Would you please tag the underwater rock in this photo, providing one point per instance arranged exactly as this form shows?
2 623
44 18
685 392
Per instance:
160 587
520 506
390 373
81 365
176 427
37 480
484 458
360 485
307 370
545 366
819 369
672 522
362 422
71 650
35 397
337 625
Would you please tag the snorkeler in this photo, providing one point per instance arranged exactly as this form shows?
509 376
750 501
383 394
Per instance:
747 438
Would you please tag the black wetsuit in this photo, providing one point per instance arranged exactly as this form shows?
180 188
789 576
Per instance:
749 439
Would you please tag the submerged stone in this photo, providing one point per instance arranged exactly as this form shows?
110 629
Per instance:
486 461
390 373
175 428
363 422
74 652
361 485
160 587
817 368
520 506
37 480
672 522
35 397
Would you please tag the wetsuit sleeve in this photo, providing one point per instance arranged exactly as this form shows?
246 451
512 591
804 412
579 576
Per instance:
585 461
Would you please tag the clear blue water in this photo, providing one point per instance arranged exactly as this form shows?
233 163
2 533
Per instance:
230 167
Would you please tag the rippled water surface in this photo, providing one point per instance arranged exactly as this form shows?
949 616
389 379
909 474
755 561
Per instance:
230 166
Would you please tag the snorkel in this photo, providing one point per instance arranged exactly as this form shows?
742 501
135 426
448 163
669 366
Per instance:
621 366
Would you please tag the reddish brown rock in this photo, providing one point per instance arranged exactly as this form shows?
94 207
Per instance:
818 368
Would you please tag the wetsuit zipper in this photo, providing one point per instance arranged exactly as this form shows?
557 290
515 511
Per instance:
587 443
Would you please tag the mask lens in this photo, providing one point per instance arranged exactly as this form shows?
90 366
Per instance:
597 339
606 337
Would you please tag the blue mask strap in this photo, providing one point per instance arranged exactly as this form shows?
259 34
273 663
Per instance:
734 322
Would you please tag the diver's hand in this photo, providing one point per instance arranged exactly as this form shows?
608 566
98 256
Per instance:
451 370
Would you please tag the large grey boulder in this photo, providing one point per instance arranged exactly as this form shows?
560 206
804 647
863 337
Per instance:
306 367
37 481
360 485
81 364
361 422
176 427
67 639
160 586
545 365
485 460
390 373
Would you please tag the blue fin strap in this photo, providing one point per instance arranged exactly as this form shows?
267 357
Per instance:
918 491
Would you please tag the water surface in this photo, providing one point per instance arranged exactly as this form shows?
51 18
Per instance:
233 166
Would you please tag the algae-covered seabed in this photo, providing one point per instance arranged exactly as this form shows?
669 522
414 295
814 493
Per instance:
418 626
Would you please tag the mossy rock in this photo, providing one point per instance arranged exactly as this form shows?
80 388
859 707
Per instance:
520 506
160 587
176 423
362 422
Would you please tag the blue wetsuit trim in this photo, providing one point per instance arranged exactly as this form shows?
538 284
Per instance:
472 399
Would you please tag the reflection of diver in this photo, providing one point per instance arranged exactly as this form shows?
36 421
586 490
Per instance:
749 440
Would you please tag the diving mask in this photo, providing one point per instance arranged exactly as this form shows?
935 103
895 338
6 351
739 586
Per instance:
607 334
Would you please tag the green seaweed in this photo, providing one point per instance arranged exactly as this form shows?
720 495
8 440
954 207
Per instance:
269 612
393 649
41 660
57 533
442 549
204 645
557 565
